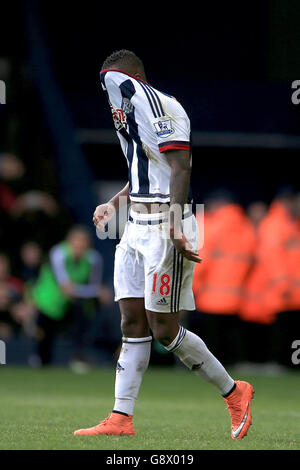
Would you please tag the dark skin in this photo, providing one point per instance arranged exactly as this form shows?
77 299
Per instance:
136 321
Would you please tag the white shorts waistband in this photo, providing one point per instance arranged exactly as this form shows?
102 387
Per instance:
157 217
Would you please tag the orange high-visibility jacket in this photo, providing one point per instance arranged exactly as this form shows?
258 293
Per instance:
253 306
279 255
229 244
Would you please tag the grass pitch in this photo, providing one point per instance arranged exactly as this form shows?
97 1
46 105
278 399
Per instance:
40 409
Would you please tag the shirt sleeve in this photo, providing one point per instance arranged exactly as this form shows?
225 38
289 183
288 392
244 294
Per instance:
110 82
57 259
173 128
119 89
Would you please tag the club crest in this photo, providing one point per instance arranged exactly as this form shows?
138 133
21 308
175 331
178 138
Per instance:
127 106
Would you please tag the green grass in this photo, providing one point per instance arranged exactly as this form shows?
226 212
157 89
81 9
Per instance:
40 409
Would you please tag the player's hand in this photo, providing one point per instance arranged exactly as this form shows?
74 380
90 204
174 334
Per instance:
103 214
184 247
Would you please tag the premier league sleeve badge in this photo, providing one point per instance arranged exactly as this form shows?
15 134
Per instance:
163 127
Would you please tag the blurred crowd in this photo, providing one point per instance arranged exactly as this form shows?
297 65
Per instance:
247 288
50 275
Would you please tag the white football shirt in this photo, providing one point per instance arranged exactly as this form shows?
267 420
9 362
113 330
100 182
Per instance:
148 122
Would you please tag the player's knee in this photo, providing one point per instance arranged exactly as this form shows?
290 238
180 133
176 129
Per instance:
162 334
133 328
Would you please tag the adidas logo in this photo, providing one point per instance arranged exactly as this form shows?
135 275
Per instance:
162 301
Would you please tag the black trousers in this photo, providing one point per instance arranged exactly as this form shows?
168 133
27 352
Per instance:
221 334
46 331
286 330
76 322
257 342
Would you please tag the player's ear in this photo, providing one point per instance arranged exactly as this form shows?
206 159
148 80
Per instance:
140 73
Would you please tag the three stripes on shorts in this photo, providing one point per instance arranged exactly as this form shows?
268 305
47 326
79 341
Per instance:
176 281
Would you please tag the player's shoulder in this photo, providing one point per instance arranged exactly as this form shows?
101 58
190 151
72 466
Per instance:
111 77
158 100
170 103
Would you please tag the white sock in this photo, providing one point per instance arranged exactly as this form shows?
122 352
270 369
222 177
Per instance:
132 363
193 352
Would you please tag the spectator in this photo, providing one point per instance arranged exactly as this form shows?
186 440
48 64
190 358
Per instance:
31 211
257 318
11 291
11 173
31 259
6 323
14 284
279 251
256 211
69 287
30 263
25 209
229 244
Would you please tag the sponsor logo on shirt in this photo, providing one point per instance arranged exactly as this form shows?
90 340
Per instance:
119 117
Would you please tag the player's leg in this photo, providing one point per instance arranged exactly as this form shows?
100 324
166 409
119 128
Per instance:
134 356
131 365
136 343
190 349
168 291
193 352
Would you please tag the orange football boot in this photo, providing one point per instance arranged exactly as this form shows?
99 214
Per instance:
239 407
114 425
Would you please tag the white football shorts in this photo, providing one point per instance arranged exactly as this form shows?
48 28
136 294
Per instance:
148 266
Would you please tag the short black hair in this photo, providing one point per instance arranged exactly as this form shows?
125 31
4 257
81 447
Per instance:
123 56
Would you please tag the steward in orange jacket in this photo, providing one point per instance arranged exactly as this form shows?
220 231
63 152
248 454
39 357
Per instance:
279 258
279 254
253 306
229 245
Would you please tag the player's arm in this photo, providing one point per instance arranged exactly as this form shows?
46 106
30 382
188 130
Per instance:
104 212
179 161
